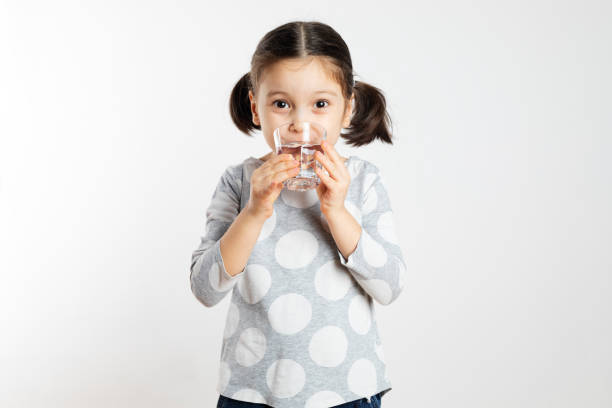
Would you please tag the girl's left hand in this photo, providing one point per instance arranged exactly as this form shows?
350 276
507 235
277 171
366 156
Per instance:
333 187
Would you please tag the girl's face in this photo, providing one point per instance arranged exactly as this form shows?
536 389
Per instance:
297 90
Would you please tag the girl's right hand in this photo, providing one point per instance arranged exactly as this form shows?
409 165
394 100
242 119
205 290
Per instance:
267 183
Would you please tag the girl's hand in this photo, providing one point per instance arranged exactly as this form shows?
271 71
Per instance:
333 188
267 183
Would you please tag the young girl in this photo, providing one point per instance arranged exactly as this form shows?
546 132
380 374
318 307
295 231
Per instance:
303 267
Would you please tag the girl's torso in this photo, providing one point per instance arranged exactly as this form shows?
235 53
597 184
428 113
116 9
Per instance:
300 330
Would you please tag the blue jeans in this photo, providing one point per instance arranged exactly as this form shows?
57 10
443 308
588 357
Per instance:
226 402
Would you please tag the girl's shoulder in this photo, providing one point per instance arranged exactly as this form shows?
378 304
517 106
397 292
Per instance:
230 180
359 167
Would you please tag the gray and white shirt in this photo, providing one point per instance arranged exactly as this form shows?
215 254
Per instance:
301 329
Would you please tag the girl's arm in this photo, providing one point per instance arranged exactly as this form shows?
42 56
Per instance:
230 236
370 251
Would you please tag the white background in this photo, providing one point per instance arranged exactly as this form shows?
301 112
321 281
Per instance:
114 130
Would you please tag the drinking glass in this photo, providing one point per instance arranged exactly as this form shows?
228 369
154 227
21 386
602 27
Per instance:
301 140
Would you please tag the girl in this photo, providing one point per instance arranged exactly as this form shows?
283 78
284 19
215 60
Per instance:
303 270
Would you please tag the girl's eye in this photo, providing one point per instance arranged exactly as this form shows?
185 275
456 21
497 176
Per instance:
319 104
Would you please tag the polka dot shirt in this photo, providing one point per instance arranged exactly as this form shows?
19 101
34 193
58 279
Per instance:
301 328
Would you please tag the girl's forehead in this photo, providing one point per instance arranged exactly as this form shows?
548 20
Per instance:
298 75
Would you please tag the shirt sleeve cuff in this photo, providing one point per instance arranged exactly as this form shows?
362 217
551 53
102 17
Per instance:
355 261
225 275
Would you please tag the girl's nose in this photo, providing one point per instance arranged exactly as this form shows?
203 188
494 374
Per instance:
300 115
298 126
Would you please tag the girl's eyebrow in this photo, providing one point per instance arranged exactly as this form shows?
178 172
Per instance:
322 91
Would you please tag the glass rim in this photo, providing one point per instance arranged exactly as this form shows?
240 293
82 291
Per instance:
306 129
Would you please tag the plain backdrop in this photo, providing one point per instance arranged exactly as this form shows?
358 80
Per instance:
115 129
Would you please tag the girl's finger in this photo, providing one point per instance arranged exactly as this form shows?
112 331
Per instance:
329 166
285 174
327 180
285 165
331 152
281 162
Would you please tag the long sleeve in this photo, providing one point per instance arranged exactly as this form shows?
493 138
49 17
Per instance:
210 281
377 262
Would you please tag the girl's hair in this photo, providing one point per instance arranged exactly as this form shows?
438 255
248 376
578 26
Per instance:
299 39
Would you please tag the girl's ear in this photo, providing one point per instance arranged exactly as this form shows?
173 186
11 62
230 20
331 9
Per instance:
253 108
348 112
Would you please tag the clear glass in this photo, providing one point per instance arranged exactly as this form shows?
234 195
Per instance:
301 139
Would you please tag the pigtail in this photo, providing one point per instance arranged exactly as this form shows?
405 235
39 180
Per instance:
240 106
370 119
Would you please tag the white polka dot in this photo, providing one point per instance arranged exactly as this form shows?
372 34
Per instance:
324 399
386 227
267 227
296 249
378 289
299 199
289 313
218 280
401 275
379 352
255 283
328 346
285 378
362 377
224 376
373 252
370 202
354 164
371 198
332 280
360 314
368 180
251 347
353 210
231 322
249 395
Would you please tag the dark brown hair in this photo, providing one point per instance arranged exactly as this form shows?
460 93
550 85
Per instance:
299 39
